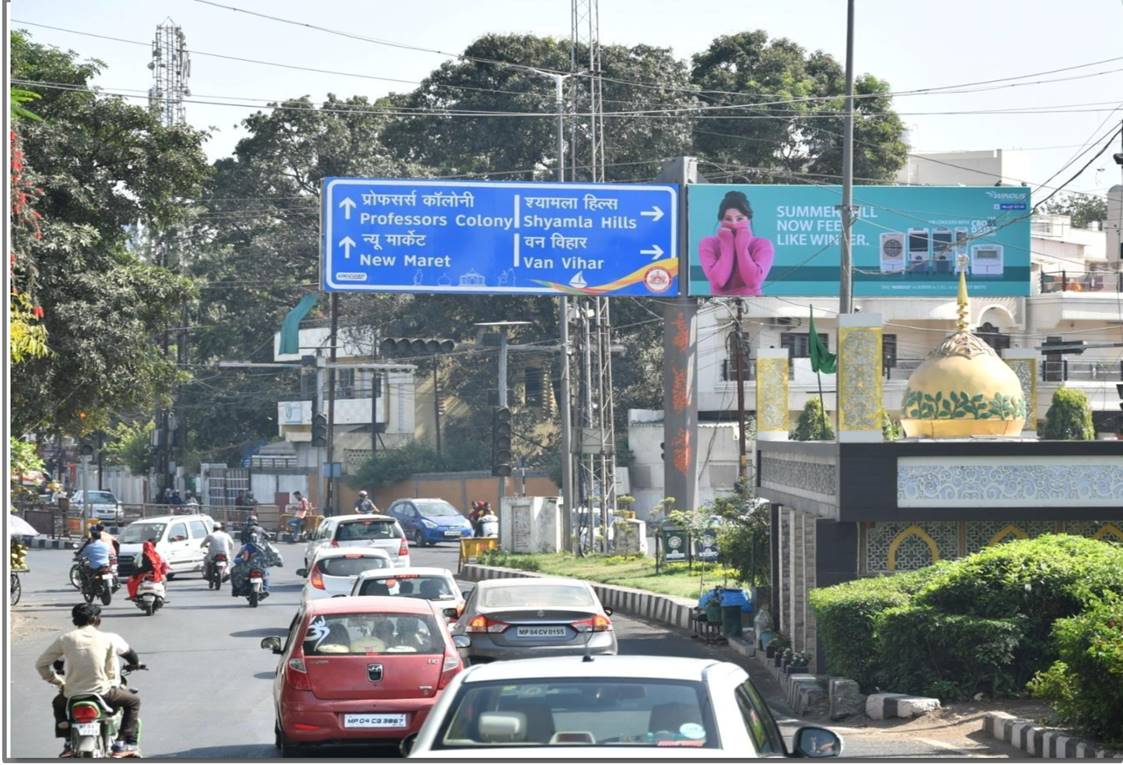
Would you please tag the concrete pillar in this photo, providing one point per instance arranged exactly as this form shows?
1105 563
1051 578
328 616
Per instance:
772 406
859 377
1025 362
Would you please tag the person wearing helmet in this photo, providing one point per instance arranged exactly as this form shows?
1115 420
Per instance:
364 504
252 529
218 542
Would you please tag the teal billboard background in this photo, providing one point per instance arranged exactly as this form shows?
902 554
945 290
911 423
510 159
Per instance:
906 240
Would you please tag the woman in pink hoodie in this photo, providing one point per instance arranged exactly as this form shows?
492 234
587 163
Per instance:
735 261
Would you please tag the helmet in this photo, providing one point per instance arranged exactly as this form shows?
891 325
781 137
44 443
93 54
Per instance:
363 493
218 526
252 519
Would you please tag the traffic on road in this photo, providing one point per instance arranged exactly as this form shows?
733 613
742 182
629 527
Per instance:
364 654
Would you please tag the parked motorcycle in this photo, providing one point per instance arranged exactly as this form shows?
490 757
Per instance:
94 724
216 571
98 584
151 596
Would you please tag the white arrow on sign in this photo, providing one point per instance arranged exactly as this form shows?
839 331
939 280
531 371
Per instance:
348 204
655 251
347 243
655 213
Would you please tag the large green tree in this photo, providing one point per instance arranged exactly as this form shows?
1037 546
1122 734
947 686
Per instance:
774 114
104 169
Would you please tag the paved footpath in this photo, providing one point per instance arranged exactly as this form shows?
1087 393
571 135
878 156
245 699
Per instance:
208 693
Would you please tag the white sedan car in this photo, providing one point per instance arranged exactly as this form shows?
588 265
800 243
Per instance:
334 569
424 582
607 707
380 531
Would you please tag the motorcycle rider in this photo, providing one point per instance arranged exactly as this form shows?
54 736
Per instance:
218 542
300 507
256 553
149 566
365 505
90 661
250 528
94 553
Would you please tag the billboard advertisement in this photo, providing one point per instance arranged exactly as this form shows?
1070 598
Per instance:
907 241
499 238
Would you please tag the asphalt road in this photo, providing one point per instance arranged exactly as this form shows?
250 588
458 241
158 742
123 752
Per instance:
208 691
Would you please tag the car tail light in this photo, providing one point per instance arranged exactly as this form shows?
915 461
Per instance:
84 713
449 670
298 675
483 624
220 556
317 579
404 548
597 623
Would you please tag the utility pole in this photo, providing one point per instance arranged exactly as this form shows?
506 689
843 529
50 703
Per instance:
502 396
846 285
437 402
375 394
680 362
742 450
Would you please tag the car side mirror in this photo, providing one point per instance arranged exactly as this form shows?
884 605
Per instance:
462 641
407 744
812 741
452 613
302 572
607 611
271 643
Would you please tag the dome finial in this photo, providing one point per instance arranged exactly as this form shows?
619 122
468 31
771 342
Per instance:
961 324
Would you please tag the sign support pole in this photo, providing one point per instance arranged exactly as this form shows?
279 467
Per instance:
680 361
329 504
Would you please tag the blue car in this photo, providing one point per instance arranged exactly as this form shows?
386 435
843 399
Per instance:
428 521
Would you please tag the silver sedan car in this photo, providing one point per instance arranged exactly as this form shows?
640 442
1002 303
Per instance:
524 618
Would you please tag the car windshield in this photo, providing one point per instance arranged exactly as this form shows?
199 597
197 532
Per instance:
351 565
567 712
102 497
335 634
142 532
537 596
424 586
436 509
353 531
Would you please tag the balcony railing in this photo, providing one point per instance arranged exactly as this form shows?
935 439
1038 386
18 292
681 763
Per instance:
1081 281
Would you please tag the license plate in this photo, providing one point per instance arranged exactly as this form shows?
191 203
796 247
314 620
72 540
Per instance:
452 533
257 580
88 729
375 721
107 577
541 632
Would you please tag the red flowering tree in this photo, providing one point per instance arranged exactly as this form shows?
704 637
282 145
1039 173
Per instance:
28 335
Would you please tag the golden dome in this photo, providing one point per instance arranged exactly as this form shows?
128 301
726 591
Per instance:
963 389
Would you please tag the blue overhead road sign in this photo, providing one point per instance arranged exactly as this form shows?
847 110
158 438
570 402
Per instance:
498 238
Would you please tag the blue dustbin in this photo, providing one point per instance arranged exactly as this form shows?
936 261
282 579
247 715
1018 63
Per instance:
733 603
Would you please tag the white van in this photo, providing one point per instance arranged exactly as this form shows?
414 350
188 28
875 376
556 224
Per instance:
179 540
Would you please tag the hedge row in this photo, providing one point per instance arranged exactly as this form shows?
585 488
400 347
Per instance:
979 624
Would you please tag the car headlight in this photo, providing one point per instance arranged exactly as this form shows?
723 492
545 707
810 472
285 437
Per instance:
428 523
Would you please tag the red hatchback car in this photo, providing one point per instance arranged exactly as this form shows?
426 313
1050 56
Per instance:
360 669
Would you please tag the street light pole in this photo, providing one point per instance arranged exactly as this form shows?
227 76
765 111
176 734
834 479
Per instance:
846 286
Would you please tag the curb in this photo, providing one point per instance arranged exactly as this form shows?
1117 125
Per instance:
1038 741
38 543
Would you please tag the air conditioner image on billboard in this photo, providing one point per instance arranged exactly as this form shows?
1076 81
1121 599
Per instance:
986 260
961 236
919 262
892 252
943 257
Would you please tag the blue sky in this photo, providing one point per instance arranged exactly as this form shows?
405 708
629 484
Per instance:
911 43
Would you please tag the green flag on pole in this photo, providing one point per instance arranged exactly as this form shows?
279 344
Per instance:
822 360
290 326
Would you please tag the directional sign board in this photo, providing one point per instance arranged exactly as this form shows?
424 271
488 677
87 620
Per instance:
498 238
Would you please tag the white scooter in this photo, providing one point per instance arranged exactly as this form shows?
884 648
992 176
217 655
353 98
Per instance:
151 596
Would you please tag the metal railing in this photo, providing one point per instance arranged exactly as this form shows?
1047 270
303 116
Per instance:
1081 281
1062 370
62 522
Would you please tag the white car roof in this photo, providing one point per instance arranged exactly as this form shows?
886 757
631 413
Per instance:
488 584
343 552
393 573
639 667
363 517
173 518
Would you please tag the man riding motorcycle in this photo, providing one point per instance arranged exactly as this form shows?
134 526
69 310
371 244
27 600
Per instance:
218 542
91 666
94 554
256 554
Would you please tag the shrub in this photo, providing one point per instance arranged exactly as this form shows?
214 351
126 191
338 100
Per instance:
813 425
1044 579
1069 417
1085 686
496 557
952 656
846 615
